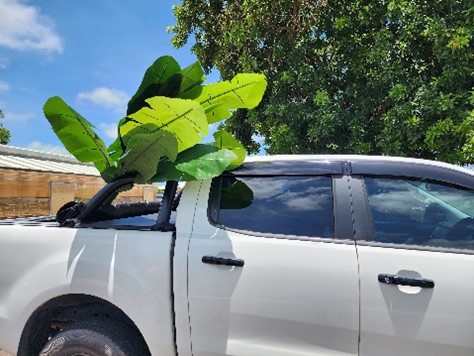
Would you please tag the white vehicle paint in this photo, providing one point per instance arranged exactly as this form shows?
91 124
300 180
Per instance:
293 294
412 321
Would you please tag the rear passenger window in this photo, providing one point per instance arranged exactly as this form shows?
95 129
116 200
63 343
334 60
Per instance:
300 206
417 212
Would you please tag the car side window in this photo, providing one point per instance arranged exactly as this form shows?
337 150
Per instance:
296 205
418 212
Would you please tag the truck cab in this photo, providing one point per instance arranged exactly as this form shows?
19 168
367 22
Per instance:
287 255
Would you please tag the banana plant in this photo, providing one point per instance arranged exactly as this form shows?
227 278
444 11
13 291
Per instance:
160 137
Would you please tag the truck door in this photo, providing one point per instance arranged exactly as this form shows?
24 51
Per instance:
272 268
416 268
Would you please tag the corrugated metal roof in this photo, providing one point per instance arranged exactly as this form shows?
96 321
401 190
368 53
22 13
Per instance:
25 159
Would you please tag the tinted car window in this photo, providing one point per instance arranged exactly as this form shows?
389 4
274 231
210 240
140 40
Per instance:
276 205
422 213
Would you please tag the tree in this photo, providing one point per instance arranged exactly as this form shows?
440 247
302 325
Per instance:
4 133
377 77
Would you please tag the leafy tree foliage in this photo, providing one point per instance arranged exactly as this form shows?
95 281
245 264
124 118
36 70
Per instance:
166 120
376 77
4 133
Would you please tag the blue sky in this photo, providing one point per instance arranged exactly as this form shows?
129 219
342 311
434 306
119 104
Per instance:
91 53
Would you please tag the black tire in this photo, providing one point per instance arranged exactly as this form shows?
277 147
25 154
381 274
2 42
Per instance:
96 337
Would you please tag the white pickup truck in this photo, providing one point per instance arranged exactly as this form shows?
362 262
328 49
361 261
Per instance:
303 255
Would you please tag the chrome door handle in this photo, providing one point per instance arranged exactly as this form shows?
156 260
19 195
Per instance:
223 261
404 281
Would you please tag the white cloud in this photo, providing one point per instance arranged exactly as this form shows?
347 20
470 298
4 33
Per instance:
22 117
4 86
46 147
108 98
110 130
24 28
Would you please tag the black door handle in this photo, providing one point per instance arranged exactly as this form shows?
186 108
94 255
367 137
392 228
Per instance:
404 281
223 261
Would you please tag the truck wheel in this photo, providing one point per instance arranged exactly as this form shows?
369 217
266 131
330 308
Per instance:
96 337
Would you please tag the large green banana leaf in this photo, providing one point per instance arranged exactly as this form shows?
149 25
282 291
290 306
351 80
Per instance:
77 134
225 140
166 118
185 119
202 161
144 150
244 91
155 77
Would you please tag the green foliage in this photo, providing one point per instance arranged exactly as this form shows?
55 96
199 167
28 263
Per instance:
166 119
382 77
4 133
204 161
185 119
225 141
244 91
143 148
77 134
165 78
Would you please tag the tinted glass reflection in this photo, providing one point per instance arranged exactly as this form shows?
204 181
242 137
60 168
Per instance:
418 212
279 205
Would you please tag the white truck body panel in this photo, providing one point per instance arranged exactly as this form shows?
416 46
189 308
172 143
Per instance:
130 269
412 321
186 220
292 297
296 295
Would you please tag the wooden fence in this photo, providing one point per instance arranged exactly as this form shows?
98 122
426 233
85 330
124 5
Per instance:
29 193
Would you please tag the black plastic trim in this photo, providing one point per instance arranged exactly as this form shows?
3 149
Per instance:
163 220
342 213
235 262
290 168
214 199
102 195
405 281
363 224
412 170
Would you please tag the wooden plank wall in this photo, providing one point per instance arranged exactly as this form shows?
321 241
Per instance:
31 184
30 193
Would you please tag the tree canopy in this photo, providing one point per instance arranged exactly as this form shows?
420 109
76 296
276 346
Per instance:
4 133
377 77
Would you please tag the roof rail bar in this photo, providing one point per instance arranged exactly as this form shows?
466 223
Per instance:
72 213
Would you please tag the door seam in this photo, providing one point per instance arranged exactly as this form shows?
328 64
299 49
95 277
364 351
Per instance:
349 186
